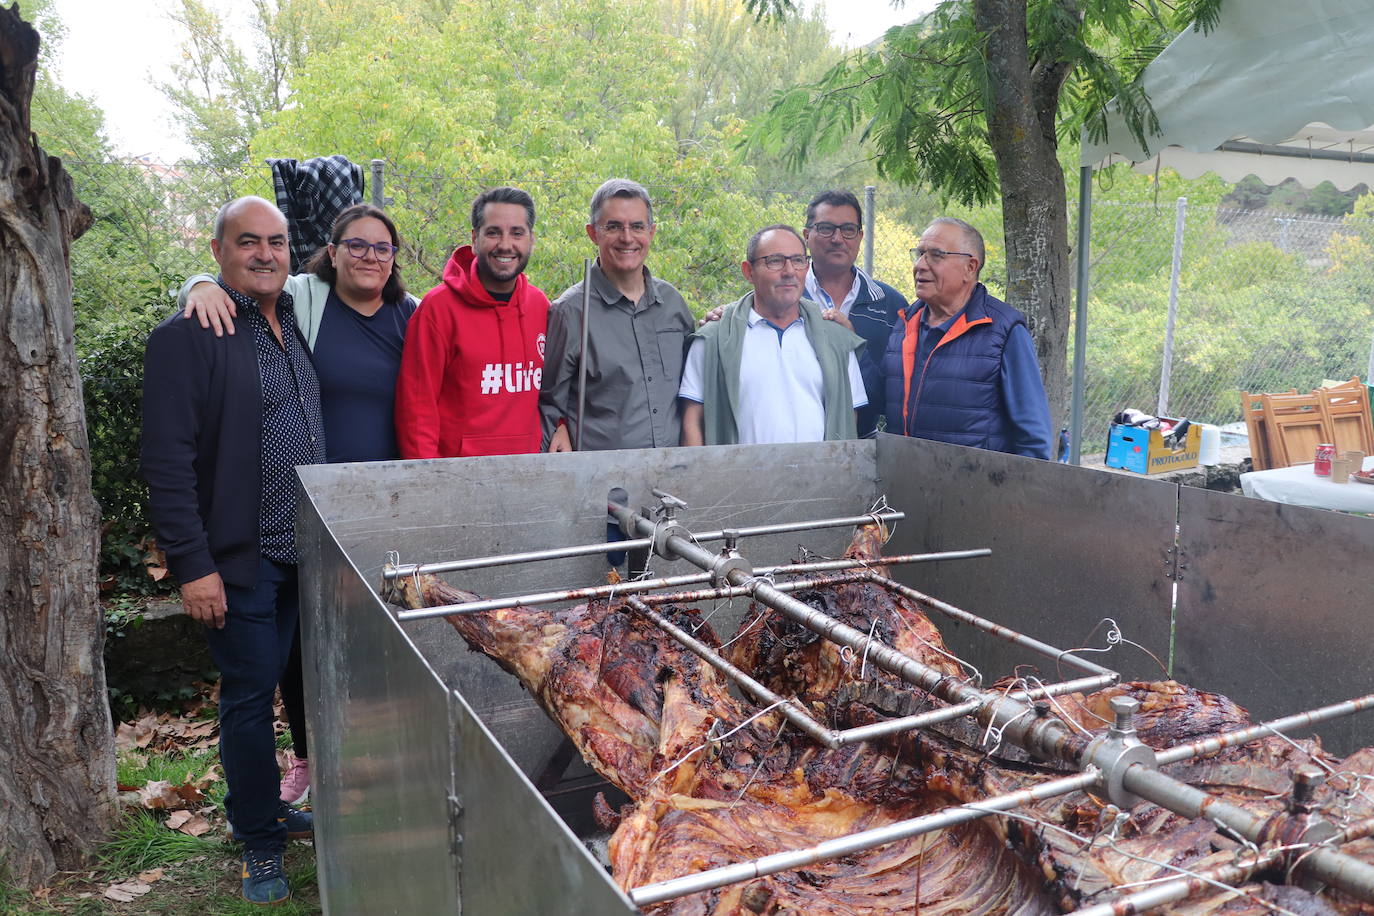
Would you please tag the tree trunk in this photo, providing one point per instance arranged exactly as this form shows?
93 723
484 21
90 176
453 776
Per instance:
1021 131
56 743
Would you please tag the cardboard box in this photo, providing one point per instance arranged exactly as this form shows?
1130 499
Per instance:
1133 448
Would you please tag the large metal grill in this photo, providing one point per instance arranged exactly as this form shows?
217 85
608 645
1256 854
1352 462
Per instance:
540 526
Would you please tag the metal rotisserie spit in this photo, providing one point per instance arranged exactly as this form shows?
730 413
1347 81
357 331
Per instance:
442 787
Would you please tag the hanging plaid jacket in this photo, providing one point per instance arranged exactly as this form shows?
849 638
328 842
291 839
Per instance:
311 194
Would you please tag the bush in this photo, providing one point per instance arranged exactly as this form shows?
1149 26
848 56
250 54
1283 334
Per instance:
111 357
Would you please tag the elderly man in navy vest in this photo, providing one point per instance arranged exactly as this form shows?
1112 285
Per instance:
961 364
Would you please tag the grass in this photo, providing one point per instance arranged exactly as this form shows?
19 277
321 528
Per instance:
200 875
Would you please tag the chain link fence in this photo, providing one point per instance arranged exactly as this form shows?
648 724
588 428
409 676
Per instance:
1190 306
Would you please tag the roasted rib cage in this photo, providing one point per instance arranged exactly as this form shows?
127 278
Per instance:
719 782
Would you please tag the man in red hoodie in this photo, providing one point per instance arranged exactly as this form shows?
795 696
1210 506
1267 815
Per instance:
474 350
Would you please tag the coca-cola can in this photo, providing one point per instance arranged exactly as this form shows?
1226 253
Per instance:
1322 465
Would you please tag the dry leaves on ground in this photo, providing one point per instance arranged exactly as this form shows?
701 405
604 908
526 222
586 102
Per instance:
127 891
160 734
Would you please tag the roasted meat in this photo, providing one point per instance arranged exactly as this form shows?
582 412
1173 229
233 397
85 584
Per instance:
714 781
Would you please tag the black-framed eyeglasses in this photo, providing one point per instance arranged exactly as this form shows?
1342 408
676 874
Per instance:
775 261
936 255
615 227
828 230
383 251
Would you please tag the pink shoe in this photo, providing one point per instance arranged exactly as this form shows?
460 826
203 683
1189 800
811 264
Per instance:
295 782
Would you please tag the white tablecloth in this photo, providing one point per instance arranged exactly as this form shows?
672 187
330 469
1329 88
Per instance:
1298 486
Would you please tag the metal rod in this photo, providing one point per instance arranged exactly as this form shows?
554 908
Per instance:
582 353
1246 735
996 629
1184 887
1080 313
785 527
734 591
1337 869
789 709
635 586
582 550
529 556
906 723
855 842
1231 873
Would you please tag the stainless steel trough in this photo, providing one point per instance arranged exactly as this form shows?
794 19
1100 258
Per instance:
426 756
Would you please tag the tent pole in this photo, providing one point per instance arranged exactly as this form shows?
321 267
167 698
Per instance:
1166 369
1080 316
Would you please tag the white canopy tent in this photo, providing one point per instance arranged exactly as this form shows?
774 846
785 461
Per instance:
1280 89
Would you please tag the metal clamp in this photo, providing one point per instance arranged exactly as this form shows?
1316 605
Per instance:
1117 750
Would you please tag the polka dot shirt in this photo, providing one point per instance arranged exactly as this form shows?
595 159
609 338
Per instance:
292 428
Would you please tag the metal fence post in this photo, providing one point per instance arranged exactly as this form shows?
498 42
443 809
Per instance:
869 193
1080 317
1167 368
378 188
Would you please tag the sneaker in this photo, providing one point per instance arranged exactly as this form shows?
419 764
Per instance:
300 825
295 783
264 879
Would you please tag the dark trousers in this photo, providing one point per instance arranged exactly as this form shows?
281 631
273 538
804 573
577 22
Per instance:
293 698
251 653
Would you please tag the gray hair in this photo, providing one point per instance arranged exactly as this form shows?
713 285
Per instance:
228 209
752 249
972 237
620 187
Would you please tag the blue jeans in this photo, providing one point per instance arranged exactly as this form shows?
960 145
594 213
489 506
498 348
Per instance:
251 653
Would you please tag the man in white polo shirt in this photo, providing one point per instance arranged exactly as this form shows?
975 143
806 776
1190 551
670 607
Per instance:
772 369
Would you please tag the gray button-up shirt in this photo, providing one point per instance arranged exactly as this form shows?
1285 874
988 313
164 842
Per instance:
634 365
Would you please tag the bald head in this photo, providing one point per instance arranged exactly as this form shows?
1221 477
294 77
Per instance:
237 204
250 247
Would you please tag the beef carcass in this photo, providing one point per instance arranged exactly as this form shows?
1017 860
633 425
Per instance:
712 782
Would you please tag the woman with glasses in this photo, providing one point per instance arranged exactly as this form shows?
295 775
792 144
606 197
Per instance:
352 309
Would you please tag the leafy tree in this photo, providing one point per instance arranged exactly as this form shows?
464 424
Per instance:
972 100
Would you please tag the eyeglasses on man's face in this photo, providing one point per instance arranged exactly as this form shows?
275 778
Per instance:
936 255
615 227
384 251
828 230
775 261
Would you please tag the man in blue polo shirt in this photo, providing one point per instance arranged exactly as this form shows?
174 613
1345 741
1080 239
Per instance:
772 369
961 364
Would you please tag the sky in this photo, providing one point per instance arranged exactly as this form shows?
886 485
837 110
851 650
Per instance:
94 60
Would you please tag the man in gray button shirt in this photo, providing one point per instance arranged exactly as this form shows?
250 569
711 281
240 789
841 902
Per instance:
639 327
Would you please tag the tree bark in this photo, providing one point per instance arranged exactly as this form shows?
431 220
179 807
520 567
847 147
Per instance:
1021 131
56 743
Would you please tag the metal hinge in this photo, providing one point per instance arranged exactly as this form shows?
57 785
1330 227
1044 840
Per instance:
1175 562
455 843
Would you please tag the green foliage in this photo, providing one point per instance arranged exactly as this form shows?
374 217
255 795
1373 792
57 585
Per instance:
553 96
921 97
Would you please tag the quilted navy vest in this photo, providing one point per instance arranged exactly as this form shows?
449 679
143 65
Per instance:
954 395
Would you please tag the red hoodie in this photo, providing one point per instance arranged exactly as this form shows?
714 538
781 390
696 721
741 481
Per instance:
471 368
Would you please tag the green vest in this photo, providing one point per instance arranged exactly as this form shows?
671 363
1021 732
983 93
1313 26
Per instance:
724 349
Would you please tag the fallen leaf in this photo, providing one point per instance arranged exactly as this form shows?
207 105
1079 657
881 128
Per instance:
158 795
157 572
148 877
196 826
208 777
128 891
125 739
177 818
